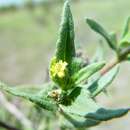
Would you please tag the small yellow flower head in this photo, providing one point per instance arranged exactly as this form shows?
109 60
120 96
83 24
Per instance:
58 69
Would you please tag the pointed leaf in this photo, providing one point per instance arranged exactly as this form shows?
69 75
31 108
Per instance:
87 71
102 82
99 29
106 114
65 44
125 41
84 112
76 121
35 95
113 38
126 27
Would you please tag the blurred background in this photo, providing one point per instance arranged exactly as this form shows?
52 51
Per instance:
28 34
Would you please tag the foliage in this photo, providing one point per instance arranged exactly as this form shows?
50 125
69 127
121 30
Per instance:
75 85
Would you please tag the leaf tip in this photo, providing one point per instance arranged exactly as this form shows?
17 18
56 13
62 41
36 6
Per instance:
66 6
88 20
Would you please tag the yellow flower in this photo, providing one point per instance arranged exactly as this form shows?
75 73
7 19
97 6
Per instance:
58 69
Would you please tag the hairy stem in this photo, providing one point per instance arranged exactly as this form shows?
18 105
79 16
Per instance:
120 58
109 66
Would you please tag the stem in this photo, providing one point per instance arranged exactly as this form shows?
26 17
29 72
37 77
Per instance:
109 66
120 58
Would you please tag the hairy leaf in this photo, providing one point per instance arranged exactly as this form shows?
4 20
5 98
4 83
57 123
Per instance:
78 121
77 64
87 71
102 82
35 95
84 112
99 29
65 44
106 114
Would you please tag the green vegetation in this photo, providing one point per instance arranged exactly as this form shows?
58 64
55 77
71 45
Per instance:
73 79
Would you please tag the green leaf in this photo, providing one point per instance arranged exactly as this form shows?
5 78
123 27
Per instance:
84 112
107 114
74 93
126 27
99 29
113 38
86 72
66 98
65 44
77 64
37 95
102 82
125 41
128 57
76 121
